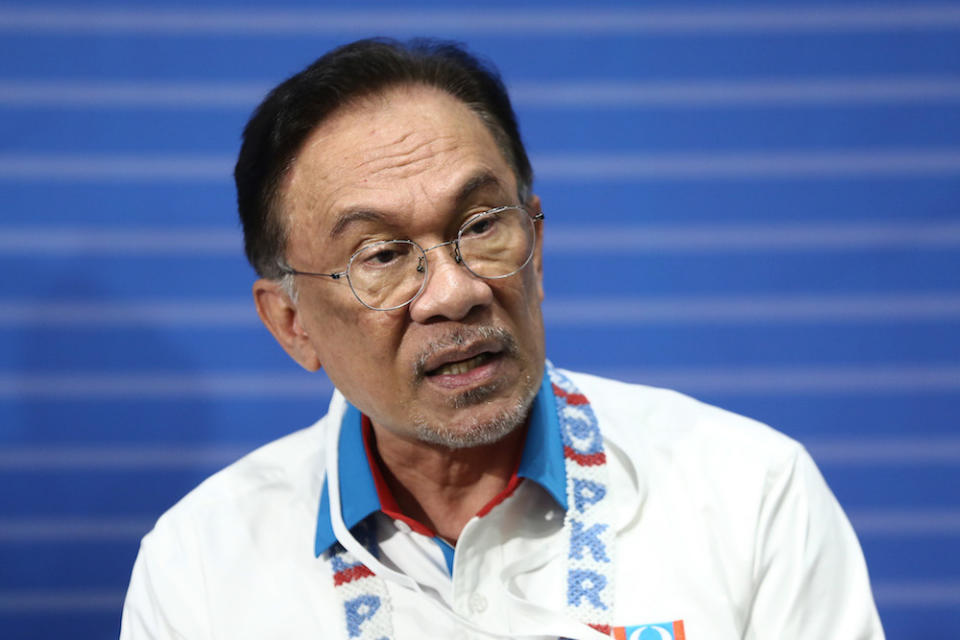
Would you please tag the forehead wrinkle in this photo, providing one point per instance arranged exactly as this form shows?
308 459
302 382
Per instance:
397 156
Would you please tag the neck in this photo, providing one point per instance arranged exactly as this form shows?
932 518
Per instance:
444 488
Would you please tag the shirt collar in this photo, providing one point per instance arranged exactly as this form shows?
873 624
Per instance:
542 461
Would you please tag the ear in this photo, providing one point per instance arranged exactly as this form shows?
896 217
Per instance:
281 316
533 203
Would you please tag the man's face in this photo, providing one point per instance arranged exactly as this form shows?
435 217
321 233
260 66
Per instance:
459 365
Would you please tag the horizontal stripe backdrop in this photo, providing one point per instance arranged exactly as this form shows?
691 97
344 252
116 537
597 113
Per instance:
756 204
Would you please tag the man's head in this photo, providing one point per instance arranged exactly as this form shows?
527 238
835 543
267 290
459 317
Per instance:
378 142
286 117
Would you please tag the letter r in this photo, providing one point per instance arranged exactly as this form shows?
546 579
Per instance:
583 583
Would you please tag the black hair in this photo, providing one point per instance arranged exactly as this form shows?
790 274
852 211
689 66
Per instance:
295 108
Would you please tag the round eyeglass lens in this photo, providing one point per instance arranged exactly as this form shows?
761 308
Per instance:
497 243
387 275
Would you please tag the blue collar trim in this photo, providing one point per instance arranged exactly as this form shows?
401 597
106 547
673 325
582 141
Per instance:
542 462
358 493
542 459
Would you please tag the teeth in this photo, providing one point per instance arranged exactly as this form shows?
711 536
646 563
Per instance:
456 368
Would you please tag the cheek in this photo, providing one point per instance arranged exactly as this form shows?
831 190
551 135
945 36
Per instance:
520 302
381 335
352 338
532 294
533 299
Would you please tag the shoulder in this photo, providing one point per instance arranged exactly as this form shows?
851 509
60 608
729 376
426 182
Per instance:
734 511
291 465
679 448
211 551
715 476
262 492
643 417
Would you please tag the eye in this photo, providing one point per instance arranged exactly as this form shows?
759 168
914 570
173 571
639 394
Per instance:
384 256
482 224
381 255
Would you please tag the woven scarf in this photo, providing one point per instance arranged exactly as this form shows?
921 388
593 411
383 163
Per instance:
587 531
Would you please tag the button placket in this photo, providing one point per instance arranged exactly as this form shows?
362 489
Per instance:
468 569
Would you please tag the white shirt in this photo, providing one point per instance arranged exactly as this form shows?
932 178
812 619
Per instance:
721 523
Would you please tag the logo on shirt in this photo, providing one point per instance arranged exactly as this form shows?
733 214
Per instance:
658 631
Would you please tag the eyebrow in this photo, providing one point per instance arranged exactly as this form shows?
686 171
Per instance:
475 183
356 215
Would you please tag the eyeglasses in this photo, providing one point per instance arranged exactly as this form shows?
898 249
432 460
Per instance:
390 274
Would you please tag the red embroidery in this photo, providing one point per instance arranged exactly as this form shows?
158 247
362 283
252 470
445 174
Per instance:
351 574
585 459
571 398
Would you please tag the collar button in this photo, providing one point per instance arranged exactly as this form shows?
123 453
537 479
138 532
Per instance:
478 603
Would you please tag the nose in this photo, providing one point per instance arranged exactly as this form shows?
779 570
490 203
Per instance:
451 291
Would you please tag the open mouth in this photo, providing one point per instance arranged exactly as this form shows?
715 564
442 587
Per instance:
466 358
462 366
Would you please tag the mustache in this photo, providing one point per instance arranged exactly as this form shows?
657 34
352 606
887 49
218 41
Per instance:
464 336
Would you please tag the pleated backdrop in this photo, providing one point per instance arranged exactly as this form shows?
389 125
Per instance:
756 203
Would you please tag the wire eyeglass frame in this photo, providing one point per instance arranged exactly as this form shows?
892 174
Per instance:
422 265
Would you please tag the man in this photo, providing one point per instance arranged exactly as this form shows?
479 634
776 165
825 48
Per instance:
459 486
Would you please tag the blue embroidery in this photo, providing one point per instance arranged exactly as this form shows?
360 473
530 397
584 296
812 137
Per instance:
585 583
359 610
579 428
339 564
587 492
590 538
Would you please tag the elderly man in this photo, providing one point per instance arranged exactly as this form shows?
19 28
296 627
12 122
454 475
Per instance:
460 485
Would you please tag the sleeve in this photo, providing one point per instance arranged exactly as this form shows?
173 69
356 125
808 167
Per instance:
165 599
810 576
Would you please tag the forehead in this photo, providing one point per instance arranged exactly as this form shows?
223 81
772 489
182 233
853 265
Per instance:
392 152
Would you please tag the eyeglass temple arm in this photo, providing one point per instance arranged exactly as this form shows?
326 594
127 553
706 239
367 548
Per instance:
294 272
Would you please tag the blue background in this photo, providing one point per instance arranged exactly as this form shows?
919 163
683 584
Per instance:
755 203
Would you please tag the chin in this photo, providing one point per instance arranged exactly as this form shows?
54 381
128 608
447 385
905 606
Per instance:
478 419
